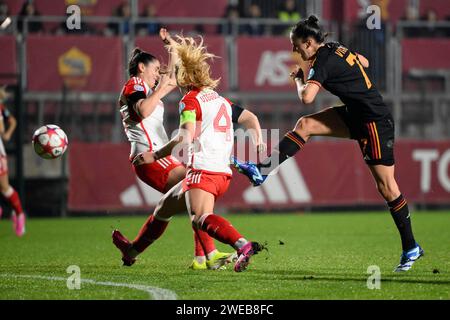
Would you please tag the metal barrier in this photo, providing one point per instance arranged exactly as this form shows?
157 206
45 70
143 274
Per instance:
386 57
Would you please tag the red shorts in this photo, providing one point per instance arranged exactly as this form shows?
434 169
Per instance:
214 183
156 174
3 165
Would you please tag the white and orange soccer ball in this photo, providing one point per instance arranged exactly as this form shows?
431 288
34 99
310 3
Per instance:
50 141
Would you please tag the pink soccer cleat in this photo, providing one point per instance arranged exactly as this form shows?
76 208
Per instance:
124 245
18 223
244 254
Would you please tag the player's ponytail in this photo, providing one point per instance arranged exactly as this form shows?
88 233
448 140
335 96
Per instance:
193 69
137 57
309 28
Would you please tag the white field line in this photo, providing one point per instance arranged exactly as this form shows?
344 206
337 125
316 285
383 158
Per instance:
154 292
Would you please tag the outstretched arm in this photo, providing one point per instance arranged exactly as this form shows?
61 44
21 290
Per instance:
173 54
250 121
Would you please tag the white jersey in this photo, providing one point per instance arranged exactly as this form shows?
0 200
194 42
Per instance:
4 113
144 134
2 149
213 141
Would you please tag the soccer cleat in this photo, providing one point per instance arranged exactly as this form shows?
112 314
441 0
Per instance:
408 258
244 255
195 265
18 223
250 170
219 260
124 246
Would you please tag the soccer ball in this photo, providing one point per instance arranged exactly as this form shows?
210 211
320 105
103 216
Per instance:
50 141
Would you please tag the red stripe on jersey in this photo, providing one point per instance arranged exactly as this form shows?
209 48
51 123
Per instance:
148 137
191 103
315 82
229 101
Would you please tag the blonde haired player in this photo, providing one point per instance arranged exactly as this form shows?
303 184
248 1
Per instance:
142 115
11 195
206 129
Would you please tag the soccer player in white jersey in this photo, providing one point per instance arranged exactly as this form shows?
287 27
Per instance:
206 129
11 195
142 116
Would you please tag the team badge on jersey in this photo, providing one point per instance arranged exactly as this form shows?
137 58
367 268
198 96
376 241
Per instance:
138 87
311 73
181 107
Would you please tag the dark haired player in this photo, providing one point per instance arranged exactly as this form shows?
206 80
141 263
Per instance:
142 116
364 117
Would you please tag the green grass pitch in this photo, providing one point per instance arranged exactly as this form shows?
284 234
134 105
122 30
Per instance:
310 256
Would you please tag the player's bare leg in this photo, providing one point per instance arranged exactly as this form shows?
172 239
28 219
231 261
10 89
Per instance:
389 190
170 204
205 252
176 175
323 123
200 205
12 197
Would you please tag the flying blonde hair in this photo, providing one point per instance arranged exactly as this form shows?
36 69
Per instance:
193 67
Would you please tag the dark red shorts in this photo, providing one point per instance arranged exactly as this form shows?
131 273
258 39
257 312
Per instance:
156 174
214 183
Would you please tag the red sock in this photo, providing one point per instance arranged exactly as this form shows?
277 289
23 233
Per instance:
150 231
220 229
13 199
204 244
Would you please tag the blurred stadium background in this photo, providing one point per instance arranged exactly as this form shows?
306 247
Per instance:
72 78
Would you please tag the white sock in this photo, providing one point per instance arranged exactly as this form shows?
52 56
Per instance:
240 243
210 255
8 192
200 259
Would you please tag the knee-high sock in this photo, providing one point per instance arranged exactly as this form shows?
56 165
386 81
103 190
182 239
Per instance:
204 244
400 213
13 199
220 229
291 143
152 229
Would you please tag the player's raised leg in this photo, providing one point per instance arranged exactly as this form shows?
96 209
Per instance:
323 123
171 204
389 190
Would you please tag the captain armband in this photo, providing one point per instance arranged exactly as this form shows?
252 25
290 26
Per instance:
187 116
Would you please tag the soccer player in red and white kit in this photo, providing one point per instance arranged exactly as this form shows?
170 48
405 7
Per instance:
11 195
206 130
142 115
